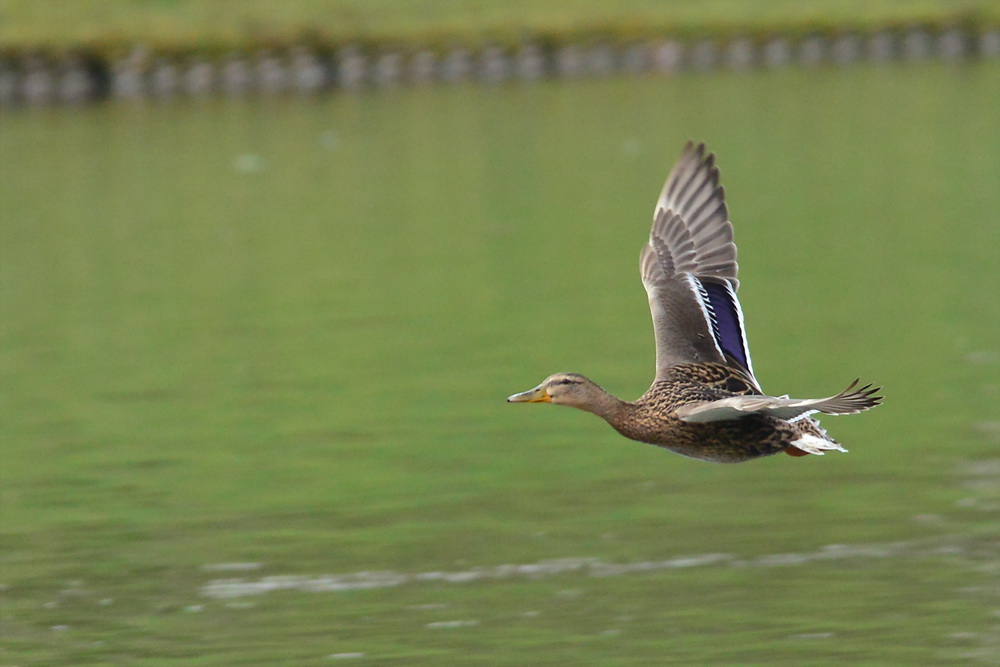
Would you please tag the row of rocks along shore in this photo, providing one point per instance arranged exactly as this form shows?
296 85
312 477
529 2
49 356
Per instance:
76 78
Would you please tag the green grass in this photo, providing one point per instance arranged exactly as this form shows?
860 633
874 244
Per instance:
184 25
282 333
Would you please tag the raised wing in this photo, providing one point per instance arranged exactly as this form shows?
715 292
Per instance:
689 270
696 232
847 402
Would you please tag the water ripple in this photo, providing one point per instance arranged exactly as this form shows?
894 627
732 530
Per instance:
594 567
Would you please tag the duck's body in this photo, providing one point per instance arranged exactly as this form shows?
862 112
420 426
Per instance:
704 402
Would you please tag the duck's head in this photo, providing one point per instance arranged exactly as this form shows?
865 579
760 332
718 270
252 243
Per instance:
570 389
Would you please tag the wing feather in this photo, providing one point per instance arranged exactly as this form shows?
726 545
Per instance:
689 269
847 402
681 320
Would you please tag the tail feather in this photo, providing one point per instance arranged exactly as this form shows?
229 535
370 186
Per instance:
812 439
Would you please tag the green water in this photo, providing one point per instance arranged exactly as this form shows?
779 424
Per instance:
281 333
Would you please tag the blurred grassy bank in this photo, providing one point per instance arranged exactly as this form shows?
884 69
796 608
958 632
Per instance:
110 26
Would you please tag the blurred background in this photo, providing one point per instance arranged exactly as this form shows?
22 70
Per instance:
268 271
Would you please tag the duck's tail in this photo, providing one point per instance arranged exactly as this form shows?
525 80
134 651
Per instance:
812 439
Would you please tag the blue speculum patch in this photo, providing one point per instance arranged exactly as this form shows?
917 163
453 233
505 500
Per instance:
727 321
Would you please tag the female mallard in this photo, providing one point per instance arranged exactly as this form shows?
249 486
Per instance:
704 402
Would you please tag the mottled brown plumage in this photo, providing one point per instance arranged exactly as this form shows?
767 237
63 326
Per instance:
704 401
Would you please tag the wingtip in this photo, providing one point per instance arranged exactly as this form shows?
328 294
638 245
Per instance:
861 398
696 148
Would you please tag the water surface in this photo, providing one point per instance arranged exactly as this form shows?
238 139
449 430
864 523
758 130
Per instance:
281 333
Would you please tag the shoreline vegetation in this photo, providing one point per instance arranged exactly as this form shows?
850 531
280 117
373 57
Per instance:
113 29
64 53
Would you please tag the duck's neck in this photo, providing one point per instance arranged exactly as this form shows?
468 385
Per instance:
607 407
